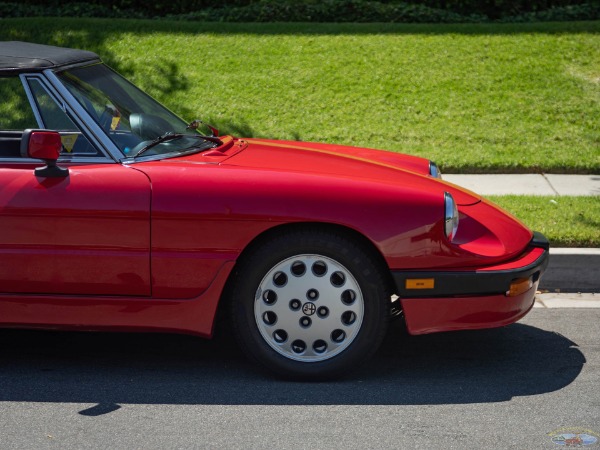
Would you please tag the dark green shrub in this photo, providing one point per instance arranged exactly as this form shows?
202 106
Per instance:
427 11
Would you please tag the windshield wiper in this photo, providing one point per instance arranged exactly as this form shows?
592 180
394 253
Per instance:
164 138
170 136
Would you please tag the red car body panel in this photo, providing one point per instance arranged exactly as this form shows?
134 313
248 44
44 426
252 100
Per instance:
88 233
342 161
89 313
261 181
433 315
170 229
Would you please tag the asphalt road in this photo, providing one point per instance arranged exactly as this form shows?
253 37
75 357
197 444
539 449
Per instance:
504 388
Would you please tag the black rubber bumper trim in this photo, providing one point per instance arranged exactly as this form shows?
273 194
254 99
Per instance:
462 283
539 240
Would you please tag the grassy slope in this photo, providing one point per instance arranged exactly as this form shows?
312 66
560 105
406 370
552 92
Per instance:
474 98
566 221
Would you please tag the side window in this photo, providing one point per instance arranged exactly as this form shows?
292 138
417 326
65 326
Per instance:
15 110
54 118
15 115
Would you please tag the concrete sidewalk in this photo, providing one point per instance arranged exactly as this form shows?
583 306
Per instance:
553 300
529 184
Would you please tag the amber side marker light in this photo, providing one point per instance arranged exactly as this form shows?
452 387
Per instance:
419 283
519 286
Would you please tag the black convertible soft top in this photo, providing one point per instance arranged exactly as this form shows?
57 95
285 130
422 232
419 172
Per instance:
18 57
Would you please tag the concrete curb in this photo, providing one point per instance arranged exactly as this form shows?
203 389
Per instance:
572 270
553 300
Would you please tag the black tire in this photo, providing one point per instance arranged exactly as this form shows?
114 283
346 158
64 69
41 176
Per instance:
346 307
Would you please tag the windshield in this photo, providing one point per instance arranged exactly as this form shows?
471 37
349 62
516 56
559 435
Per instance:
134 121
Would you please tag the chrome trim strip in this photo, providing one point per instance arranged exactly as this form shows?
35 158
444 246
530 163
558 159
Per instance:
434 171
81 161
84 120
31 98
71 161
162 157
450 216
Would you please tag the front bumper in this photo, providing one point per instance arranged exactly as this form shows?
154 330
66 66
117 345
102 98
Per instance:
471 299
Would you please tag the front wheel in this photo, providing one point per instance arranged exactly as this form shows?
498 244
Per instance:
309 305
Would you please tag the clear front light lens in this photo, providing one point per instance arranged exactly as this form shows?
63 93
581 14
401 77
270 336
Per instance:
434 171
451 216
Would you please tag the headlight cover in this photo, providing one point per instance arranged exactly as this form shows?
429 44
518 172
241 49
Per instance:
450 216
434 171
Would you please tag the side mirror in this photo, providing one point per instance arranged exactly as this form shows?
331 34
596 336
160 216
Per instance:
45 145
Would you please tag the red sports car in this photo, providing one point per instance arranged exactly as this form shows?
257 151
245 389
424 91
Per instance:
115 214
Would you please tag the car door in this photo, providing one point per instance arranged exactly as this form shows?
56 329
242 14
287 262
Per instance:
87 233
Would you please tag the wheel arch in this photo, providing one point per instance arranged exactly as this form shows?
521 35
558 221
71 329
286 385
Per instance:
316 227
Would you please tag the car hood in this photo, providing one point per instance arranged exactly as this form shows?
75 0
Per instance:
343 161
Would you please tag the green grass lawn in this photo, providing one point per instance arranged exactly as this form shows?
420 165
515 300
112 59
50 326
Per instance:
565 221
474 98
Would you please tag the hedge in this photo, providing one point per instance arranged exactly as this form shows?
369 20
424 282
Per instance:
428 11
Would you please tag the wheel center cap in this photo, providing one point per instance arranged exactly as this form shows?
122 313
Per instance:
309 308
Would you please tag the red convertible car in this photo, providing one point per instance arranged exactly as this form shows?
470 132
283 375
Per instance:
115 214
